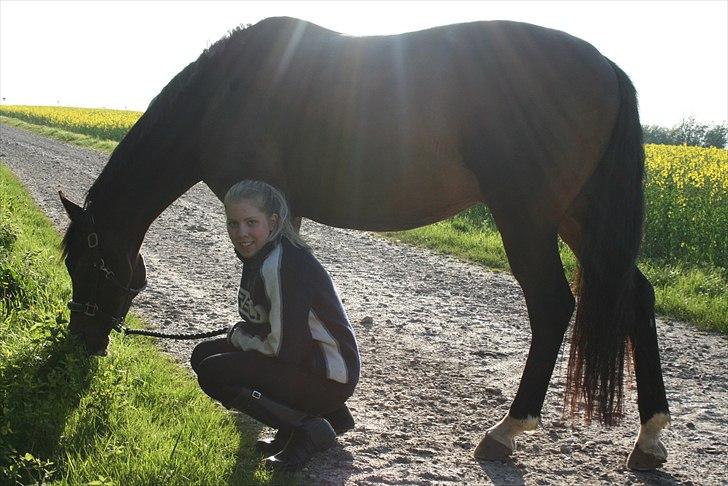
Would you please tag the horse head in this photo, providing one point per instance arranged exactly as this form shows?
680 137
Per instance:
104 275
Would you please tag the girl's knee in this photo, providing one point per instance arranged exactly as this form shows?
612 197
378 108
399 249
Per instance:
207 370
207 376
197 357
206 349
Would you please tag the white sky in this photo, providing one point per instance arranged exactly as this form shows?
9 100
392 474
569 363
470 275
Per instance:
121 54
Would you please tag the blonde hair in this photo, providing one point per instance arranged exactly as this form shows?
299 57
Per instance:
269 201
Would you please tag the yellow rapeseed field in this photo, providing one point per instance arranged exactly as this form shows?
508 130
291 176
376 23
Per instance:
687 204
100 123
687 187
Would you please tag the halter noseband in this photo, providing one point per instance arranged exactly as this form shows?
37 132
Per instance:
91 308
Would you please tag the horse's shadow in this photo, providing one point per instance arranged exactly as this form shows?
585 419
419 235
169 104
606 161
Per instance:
507 472
503 472
41 392
651 477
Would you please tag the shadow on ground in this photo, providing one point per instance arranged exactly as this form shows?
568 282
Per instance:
332 467
503 472
651 478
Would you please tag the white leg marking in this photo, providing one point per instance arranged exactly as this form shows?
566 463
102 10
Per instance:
648 439
507 429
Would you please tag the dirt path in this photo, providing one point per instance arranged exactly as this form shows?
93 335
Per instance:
442 342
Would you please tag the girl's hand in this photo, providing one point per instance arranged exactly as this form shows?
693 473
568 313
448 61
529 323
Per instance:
232 330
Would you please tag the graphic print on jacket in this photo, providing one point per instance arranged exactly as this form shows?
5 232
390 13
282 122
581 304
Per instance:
293 312
248 310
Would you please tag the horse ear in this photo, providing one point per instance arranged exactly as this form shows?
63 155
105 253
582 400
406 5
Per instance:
75 212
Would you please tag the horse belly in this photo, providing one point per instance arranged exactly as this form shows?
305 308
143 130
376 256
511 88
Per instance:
395 191
441 195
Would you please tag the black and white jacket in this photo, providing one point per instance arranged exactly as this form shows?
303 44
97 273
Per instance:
292 312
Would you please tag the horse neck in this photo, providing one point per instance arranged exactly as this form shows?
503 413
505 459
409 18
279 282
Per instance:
128 196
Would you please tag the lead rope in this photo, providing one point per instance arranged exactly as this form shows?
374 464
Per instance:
198 335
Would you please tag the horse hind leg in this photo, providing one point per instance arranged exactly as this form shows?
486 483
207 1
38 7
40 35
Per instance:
534 259
648 452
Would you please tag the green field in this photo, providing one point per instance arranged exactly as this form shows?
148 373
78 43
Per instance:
132 418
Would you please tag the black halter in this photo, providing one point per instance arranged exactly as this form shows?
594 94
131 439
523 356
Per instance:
91 308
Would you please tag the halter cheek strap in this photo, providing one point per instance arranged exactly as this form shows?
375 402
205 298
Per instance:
91 308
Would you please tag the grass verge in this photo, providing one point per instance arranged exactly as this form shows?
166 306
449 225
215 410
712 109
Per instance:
687 292
134 417
62 135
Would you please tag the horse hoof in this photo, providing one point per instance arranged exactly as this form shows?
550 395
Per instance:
640 460
490 449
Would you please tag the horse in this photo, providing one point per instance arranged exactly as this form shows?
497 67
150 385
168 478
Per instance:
394 132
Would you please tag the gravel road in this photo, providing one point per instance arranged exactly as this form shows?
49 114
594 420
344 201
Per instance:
442 342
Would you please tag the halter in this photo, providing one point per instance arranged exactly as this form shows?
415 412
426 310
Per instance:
91 308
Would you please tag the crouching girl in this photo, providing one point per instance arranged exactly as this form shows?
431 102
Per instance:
293 361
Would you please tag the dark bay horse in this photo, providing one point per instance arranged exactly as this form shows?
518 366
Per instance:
394 132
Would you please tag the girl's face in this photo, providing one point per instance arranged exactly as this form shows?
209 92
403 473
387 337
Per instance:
248 227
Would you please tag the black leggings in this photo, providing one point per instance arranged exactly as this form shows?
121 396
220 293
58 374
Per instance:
223 369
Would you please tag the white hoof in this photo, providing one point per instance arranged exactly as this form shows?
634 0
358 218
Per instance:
490 449
500 440
640 460
649 452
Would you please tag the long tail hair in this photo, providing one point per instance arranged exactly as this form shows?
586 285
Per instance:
612 232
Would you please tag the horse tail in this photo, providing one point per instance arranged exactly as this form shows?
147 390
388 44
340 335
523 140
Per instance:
605 284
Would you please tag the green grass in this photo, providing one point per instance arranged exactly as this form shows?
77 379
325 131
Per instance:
134 417
694 293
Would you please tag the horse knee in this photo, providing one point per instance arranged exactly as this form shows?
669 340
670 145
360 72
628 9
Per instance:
566 310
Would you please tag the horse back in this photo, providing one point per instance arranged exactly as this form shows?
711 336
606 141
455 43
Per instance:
434 119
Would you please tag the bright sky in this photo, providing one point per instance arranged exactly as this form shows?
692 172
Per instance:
121 54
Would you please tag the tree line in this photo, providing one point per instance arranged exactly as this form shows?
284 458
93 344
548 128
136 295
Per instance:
687 132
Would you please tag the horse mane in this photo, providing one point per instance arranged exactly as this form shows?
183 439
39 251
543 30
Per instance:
175 93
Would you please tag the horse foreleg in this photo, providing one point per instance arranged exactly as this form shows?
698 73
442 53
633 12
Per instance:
648 451
535 263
